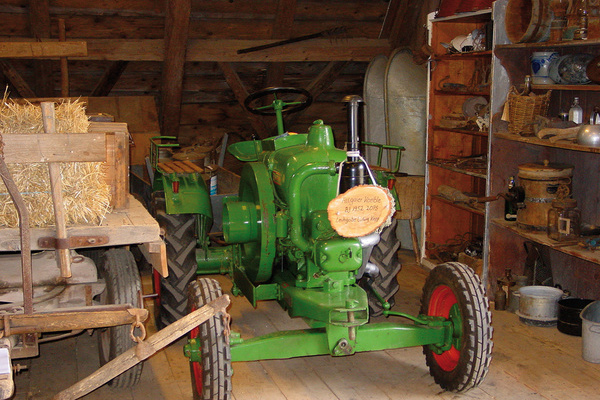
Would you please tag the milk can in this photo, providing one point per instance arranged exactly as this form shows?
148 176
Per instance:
543 183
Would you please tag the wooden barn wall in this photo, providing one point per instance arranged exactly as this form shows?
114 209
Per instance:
208 104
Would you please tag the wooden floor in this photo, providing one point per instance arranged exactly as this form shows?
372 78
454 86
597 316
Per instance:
529 363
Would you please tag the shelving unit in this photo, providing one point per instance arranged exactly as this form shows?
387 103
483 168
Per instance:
451 151
574 268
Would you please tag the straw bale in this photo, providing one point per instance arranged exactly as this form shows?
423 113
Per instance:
85 192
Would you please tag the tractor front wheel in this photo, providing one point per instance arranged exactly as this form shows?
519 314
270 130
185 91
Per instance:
211 378
453 291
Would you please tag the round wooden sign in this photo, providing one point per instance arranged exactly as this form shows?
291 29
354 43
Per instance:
360 210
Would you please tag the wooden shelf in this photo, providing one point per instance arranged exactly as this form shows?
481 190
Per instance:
462 206
450 167
589 87
548 45
561 144
542 238
463 56
439 92
462 131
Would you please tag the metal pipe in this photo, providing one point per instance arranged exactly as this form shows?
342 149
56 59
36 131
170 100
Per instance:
17 199
353 106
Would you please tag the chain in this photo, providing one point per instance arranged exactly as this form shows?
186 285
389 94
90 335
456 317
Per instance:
142 328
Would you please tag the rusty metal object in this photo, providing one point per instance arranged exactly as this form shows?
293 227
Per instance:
50 242
17 199
80 318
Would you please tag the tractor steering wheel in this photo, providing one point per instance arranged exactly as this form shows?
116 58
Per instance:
278 104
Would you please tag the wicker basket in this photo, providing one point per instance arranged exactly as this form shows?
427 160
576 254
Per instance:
522 110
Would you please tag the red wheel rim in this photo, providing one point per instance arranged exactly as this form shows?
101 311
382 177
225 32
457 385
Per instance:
196 366
441 302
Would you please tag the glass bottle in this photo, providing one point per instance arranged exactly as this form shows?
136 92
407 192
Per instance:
510 203
564 220
576 112
582 22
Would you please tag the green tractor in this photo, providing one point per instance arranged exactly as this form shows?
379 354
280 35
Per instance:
279 243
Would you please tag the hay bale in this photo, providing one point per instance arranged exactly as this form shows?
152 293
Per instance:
86 195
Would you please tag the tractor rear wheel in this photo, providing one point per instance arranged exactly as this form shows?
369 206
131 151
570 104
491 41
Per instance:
123 286
453 291
385 256
211 378
180 240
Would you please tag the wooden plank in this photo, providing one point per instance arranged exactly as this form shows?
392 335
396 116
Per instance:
175 45
62 254
145 349
117 162
29 148
156 254
46 49
225 50
131 225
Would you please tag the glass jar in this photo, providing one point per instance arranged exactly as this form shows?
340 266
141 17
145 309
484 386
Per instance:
564 220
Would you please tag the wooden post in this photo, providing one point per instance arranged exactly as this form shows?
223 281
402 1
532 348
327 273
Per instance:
64 66
63 257
143 350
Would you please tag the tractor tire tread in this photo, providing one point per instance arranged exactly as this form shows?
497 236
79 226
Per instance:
472 369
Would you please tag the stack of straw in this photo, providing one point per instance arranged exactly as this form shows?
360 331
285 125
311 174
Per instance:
85 192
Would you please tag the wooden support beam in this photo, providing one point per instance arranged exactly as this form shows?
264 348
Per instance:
327 76
282 29
109 79
64 65
225 50
46 49
16 80
403 25
176 35
240 92
39 20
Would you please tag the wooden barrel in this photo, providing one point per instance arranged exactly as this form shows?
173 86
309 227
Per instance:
543 183
527 21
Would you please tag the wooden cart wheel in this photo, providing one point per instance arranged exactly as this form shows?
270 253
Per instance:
123 286
211 378
453 291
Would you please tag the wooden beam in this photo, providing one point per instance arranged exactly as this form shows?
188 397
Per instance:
327 76
15 79
109 78
240 92
43 49
403 25
176 35
64 64
39 20
282 29
35 148
225 50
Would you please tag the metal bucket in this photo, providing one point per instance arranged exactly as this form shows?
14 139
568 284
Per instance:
591 332
569 321
538 305
542 183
